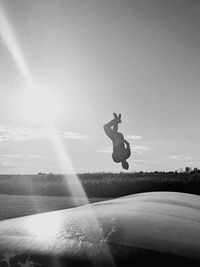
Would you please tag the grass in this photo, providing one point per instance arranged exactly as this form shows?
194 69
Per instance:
103 185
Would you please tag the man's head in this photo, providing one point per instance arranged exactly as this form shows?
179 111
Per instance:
125 165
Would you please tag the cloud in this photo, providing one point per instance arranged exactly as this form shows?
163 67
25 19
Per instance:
72 135
21 156
134 137
6 162
134 149
12 160
180 157
20 134
139 149
145 161
107 149
195 163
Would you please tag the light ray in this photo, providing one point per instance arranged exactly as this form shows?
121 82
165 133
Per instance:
8 37
72 179
72 182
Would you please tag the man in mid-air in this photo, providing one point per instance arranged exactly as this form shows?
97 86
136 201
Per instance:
121 147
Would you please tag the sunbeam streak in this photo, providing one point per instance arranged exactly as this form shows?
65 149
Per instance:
9 39
91 226
72 180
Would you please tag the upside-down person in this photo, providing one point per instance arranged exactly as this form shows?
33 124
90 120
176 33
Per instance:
121 147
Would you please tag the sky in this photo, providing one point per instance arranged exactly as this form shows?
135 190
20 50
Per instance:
140 58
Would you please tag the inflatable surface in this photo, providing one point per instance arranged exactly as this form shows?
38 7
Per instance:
160 228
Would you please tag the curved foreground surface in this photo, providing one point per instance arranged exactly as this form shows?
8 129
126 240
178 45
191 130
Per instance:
159 228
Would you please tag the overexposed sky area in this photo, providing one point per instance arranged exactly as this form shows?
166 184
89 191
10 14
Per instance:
140 58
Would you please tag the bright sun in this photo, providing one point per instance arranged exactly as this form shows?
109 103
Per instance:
40 105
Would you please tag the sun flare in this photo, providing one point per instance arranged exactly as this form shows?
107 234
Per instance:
44 226
40 105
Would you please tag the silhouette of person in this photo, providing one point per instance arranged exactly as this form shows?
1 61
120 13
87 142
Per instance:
121 147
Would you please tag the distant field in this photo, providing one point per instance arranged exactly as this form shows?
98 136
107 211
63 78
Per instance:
101 185
12 206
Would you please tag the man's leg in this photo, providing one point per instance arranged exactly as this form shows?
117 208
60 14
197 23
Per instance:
115 126
111 127
111 132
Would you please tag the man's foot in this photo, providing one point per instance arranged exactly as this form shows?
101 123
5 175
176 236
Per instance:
117 118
